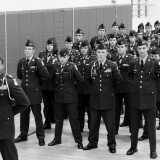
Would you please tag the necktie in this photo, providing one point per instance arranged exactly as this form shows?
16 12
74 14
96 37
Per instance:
120 59
141 64
48 57
27 61
100 66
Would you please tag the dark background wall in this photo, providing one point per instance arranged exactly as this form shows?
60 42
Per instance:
43 24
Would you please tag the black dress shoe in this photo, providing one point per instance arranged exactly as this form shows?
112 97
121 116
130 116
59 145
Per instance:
153 155
89 146
131 151
47 126
142 138
80 145
41 142
20 138
123 124
112 149
53 143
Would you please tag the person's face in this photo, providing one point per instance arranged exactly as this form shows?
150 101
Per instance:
101 32
156 56
121 49
1 66
157 26
49 47
142 50
84 50
122 31
79 37
29 51
140 35
148 29
132 39
68 45
63 59
115 29
101 54
112 41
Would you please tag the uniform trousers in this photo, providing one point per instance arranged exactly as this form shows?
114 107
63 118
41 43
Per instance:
83 105
25 118
150 119
119 103
109 121
8 149
48 100
72 112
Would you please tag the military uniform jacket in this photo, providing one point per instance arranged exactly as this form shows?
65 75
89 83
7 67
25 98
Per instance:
155 43
9 89
64 78
83 67
103 85
112 50
123 66
144 83
31 75
132 49
48 84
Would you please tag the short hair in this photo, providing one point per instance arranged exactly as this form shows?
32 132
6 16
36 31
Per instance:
1 59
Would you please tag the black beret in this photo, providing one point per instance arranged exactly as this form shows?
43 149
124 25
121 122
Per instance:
148 24
84 43
79 31
122 25
112 36
141 26
121 41
63 52
156 22
141 42
101 27
114 24
101 46
30 43
155 51
69 39
132 33
51 41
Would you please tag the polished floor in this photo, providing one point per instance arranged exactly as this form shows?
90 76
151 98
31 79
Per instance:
30 150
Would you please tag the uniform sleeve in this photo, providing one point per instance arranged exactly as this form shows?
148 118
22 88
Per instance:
19 72
16 92
117 77
76 74
42 70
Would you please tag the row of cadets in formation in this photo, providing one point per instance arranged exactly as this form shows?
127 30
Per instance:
80 52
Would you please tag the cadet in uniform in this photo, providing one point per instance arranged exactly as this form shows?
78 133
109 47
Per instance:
64 74
9 92
141 27
115 30
79 35
123 91
143 72
105 76
84 89
156 27
132 47
31 71
112 49
148 29
122 31
72 52
101 37
48 87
